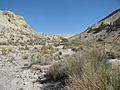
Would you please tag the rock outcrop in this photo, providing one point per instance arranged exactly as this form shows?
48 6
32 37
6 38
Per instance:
9 19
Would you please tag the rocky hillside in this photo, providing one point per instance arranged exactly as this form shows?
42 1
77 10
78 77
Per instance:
37 61
14 30
107 30
25 55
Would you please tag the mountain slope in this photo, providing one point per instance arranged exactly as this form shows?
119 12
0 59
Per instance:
14 30
9 19
107 29
25 55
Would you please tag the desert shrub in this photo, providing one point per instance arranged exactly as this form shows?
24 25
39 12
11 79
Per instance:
5 51
38 59
24 47
87 71
97 74
65 40
102 79
25 57
35 59
73 65
11 60
60 53
48 50
47 47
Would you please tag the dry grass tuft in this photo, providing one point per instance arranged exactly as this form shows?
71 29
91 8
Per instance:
87 71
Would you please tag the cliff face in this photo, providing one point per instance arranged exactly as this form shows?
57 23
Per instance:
107 29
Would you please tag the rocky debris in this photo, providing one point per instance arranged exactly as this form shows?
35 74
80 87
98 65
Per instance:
25 69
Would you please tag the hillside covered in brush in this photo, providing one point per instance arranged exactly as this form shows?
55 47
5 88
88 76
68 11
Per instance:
107 30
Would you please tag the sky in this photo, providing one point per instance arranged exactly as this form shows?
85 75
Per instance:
61 16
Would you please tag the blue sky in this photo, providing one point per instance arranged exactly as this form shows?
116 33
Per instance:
61 16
